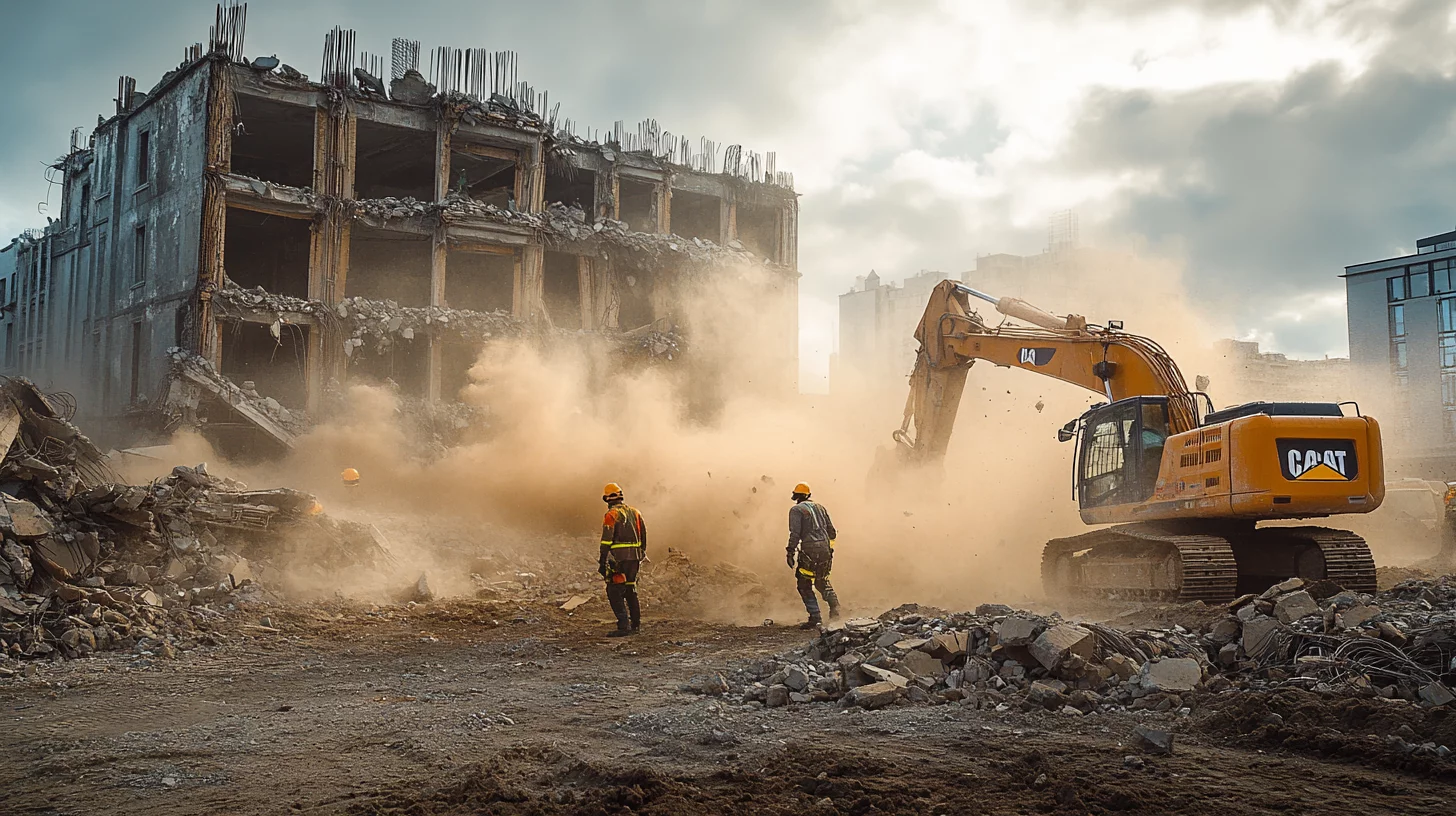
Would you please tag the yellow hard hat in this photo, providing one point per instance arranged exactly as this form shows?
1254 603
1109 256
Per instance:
802 488
350 475
611 489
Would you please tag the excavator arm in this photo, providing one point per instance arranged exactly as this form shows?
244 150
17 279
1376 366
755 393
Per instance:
952 337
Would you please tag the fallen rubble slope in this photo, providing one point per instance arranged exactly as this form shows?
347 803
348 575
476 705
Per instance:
90 563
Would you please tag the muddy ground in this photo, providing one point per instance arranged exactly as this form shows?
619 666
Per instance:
507 708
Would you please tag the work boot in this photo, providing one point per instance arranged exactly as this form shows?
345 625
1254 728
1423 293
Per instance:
620 631
813 622
834 613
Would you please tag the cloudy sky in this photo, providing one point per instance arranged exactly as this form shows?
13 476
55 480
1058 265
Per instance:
1261 145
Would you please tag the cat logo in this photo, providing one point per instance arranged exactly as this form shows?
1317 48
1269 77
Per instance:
1037 356
1317 460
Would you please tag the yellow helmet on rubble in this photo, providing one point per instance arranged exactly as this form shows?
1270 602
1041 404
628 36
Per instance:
350 475
802 489
612 490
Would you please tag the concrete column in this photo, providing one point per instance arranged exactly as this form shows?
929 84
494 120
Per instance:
527 301
725 221
585 291
604 298
664 206
533 191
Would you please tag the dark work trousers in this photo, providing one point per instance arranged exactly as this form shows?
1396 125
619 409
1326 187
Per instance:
815 561
623 595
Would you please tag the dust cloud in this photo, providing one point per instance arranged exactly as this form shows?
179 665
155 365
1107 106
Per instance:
709 446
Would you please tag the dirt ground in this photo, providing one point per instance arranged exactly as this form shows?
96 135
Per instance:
504 708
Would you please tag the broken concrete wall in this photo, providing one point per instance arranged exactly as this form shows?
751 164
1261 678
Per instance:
144 241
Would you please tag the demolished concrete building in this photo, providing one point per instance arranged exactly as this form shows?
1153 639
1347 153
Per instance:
463 196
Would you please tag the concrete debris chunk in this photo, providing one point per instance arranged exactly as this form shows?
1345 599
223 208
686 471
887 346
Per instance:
1354 616
796 679
873 695
1171 674
1018 631
923 665
710 684
1295 606
1262 638
1281 588
574 602
1437 694
1153 740
778 696
1056 644
880 675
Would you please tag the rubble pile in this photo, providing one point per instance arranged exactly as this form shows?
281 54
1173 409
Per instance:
193 379
90 563
385 323
560 225
1400 645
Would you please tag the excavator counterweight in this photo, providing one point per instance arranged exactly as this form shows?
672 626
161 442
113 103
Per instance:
1185 489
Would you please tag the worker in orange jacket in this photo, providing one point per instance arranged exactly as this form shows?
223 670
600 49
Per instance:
624 545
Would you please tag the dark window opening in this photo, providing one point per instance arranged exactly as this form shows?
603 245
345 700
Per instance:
394 162
179 327
405 363
268 251
758 230
578 189
695 215
276 368
637 205
386 265
561 289
139 260
136 362
455 362
144 158
85 210
634 298
480 281
274 141
487 179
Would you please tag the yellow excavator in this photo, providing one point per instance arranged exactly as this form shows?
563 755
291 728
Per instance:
1184 485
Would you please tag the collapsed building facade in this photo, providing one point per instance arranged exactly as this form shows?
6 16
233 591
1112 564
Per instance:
278 228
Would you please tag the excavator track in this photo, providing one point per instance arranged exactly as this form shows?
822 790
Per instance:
1149 562
1347 558
1153 564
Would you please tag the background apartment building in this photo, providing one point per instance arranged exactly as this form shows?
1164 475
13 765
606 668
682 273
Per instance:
1402 322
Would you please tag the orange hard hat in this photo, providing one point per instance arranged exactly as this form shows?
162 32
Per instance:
801 487
611 489
350 475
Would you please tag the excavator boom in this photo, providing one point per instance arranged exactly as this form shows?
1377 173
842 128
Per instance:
1102 360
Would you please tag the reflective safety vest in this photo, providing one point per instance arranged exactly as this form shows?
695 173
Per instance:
624 535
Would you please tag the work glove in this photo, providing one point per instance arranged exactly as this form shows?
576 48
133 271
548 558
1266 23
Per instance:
790 559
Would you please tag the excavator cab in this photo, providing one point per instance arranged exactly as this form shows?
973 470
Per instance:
1121 450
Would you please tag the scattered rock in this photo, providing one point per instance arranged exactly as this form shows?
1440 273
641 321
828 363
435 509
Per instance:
1153 740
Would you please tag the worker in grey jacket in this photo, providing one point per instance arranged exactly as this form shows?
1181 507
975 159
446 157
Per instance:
811 539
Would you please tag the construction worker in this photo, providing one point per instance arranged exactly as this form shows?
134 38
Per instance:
811 539
624 545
